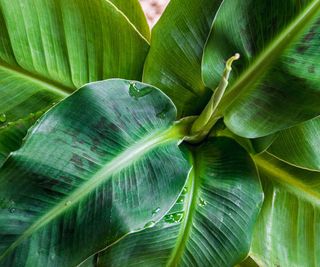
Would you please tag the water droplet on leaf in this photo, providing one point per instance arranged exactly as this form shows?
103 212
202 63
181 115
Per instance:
68 203
184 190
149 224
162 114
178 217
169 218
174 218
12 210
180 199
155 211
3 117
202 202
137 93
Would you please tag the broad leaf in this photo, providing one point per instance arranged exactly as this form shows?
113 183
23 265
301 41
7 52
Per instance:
276 83
248 262
133 11
174 61
11 135
299 145
288 229
90 171
212 222
50 48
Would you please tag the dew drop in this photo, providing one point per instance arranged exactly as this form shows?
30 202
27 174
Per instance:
137 93
184 190
202 202
68 203
3 117
149 224
163 113
169 218
12 210
155 211
180 199
178 217
174 217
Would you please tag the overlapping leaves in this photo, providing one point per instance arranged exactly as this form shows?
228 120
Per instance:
90 171
50 48
108 158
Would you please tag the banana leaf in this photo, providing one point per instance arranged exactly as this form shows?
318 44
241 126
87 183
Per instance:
287 232
174 61
50 48
299 145
276 83
92 170
212 222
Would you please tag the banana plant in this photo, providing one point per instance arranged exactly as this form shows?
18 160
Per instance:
197 148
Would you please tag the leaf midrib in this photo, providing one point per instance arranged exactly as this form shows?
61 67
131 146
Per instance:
269 55
175 132
47 84
288 180
190 208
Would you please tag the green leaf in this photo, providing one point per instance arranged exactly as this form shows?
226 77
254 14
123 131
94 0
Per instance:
299 145
174 61
11 134
248 262
133 11
211 223
50 48
276 83
90 171
288 231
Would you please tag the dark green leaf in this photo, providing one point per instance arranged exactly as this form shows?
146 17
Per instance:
212 222
49 48
276 83
91 171
174 61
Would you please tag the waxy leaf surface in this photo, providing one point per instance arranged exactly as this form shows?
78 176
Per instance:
212 222
287 232
174 61
299 145
50 48
276 82
92 170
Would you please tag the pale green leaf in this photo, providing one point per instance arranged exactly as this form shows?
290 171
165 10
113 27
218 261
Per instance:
287 233
299 145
